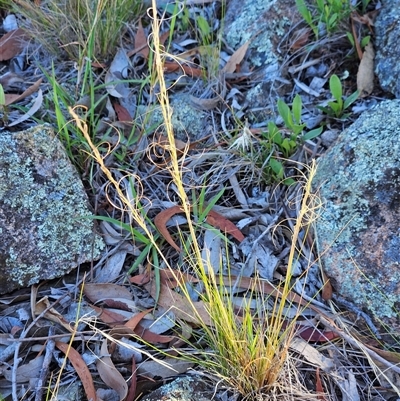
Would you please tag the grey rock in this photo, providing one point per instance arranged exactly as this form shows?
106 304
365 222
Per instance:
72 391
44 228
328 137
188 121
263 23
359 225
185 388
387 46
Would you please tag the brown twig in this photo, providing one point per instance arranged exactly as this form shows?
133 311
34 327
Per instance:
18 345
55 336
357 344
46 364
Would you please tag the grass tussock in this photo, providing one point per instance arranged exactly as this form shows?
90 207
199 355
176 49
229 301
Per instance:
248 346
245 340
247 349
69 25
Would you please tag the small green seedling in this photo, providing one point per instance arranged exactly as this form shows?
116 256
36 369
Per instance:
364 41
3 107
276 142
209 49
337 108
280 143
292 118
363 4
307 16
204 29
292 121
2 97
329 14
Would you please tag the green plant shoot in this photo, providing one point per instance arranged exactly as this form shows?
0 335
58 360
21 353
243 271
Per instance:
336 108
328 14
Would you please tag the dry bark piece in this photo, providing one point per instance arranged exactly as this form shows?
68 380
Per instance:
11 44
365 74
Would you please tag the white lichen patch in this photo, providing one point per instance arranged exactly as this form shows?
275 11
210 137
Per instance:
44 214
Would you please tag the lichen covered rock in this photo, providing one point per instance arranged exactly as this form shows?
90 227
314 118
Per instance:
183 388
189 122
44 228
387 30
359 227
261 22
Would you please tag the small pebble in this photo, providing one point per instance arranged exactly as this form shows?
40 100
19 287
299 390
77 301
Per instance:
10 23
330 136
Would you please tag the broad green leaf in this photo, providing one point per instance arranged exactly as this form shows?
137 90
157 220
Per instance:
332 21
297 129
303 10
284 112
2 96
276 167
344 116
334 106
301 5
365 41
273 133
272 127
277 139
320 5
339 6
325 110
203 26
289 181
336 88
327 12
312 134
351 38
286 145
351 99
296 109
